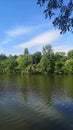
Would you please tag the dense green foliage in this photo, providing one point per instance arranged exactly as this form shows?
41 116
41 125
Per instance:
45 62
61 11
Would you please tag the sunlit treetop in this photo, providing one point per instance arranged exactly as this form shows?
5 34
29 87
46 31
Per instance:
62 13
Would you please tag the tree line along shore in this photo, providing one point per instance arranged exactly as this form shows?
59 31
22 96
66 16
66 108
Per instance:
45 62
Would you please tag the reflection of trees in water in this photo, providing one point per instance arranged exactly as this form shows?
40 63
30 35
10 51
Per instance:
37 98
39 84
63 85
47 86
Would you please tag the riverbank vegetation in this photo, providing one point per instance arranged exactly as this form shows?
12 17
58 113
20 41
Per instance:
45 62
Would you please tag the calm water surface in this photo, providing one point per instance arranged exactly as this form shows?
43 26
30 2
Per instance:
36 102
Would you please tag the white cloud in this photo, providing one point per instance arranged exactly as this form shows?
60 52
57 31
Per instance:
1 50
18 31
41 26
6 41
44 38
24 30
64 48
13 33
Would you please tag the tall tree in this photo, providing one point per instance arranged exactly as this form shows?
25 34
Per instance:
61 11
47 50
26 51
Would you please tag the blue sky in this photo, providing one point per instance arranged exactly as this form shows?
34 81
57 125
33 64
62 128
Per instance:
23 25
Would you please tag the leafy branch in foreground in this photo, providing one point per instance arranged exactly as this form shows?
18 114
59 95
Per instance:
62 13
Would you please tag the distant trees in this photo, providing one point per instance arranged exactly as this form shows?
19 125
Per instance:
45 62
45 65
70 54
68 66
26 51
3 57
47 50
60 59
61 12
8 65
36 57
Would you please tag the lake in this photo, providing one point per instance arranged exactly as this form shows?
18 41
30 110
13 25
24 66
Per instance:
36 102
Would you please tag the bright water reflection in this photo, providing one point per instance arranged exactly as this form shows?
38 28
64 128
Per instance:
36 102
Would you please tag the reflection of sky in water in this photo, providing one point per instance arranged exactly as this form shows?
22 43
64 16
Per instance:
35 108
15 109
64 105
13 101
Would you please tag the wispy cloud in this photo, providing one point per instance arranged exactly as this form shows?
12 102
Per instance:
44 38
12 34
62 48
21 30
6 41
1 50
18 31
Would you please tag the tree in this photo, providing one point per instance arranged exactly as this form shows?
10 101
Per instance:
60 56
44 65
61 11
26 51
10 65
47 50
60 59
58 67
23 62
3 57
70 54
68 66
36 57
